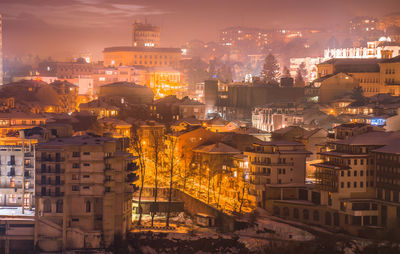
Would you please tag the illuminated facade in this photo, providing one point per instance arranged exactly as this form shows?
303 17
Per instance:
310 65
164 82
103 76
146 56
273 117
145 35
17 176
15 121
383 48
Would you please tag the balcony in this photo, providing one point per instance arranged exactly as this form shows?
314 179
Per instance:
260 173
50 171
11 163
52 194
29 154
50 159
260 163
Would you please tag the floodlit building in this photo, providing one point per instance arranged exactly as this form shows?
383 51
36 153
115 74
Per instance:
83 193
144 56
383 48
12 122
274 116
310 65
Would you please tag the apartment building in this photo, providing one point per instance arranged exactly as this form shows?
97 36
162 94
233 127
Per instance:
83 193
275 163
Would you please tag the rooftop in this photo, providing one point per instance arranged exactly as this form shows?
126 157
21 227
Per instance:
139 49
218 148
371 138
77 140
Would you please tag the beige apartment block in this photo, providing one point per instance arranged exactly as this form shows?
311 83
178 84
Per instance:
83 193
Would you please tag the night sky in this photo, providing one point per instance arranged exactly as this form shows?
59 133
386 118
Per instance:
60 27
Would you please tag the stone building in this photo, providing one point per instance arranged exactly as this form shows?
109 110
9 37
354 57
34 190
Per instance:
83 193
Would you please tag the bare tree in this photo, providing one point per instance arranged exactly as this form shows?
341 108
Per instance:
156 146
171 156
137 146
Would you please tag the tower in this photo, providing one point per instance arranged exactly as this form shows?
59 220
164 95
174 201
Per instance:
145 35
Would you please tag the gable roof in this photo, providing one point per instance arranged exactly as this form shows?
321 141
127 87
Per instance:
217 148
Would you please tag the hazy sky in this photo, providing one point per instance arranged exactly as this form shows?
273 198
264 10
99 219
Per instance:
60 27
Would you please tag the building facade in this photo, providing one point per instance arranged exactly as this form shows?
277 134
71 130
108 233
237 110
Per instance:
144 56
83 193
275 163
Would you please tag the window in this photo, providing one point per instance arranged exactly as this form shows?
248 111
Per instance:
86 176
296 213
88 206
355 184
59 206
86 164
76 154
348 184
75 177
75 187
86 153
361 184
342 173
361 172
316 215
47 206
355 161
355 172
348 173
108 189
342 185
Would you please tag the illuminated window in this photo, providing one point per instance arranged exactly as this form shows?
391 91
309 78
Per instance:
12 198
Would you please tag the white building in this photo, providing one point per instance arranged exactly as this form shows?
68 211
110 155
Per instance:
310 64
273 117
374 49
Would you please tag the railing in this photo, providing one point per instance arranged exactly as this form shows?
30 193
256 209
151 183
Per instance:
53 194
50 171
272 164
50 159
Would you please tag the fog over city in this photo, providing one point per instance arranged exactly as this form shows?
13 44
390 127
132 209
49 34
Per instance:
89 25
200 126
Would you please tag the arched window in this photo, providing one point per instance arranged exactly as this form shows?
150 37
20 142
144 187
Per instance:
47 206
88 206
59 206
306 214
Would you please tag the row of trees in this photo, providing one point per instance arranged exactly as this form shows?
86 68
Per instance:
164 165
